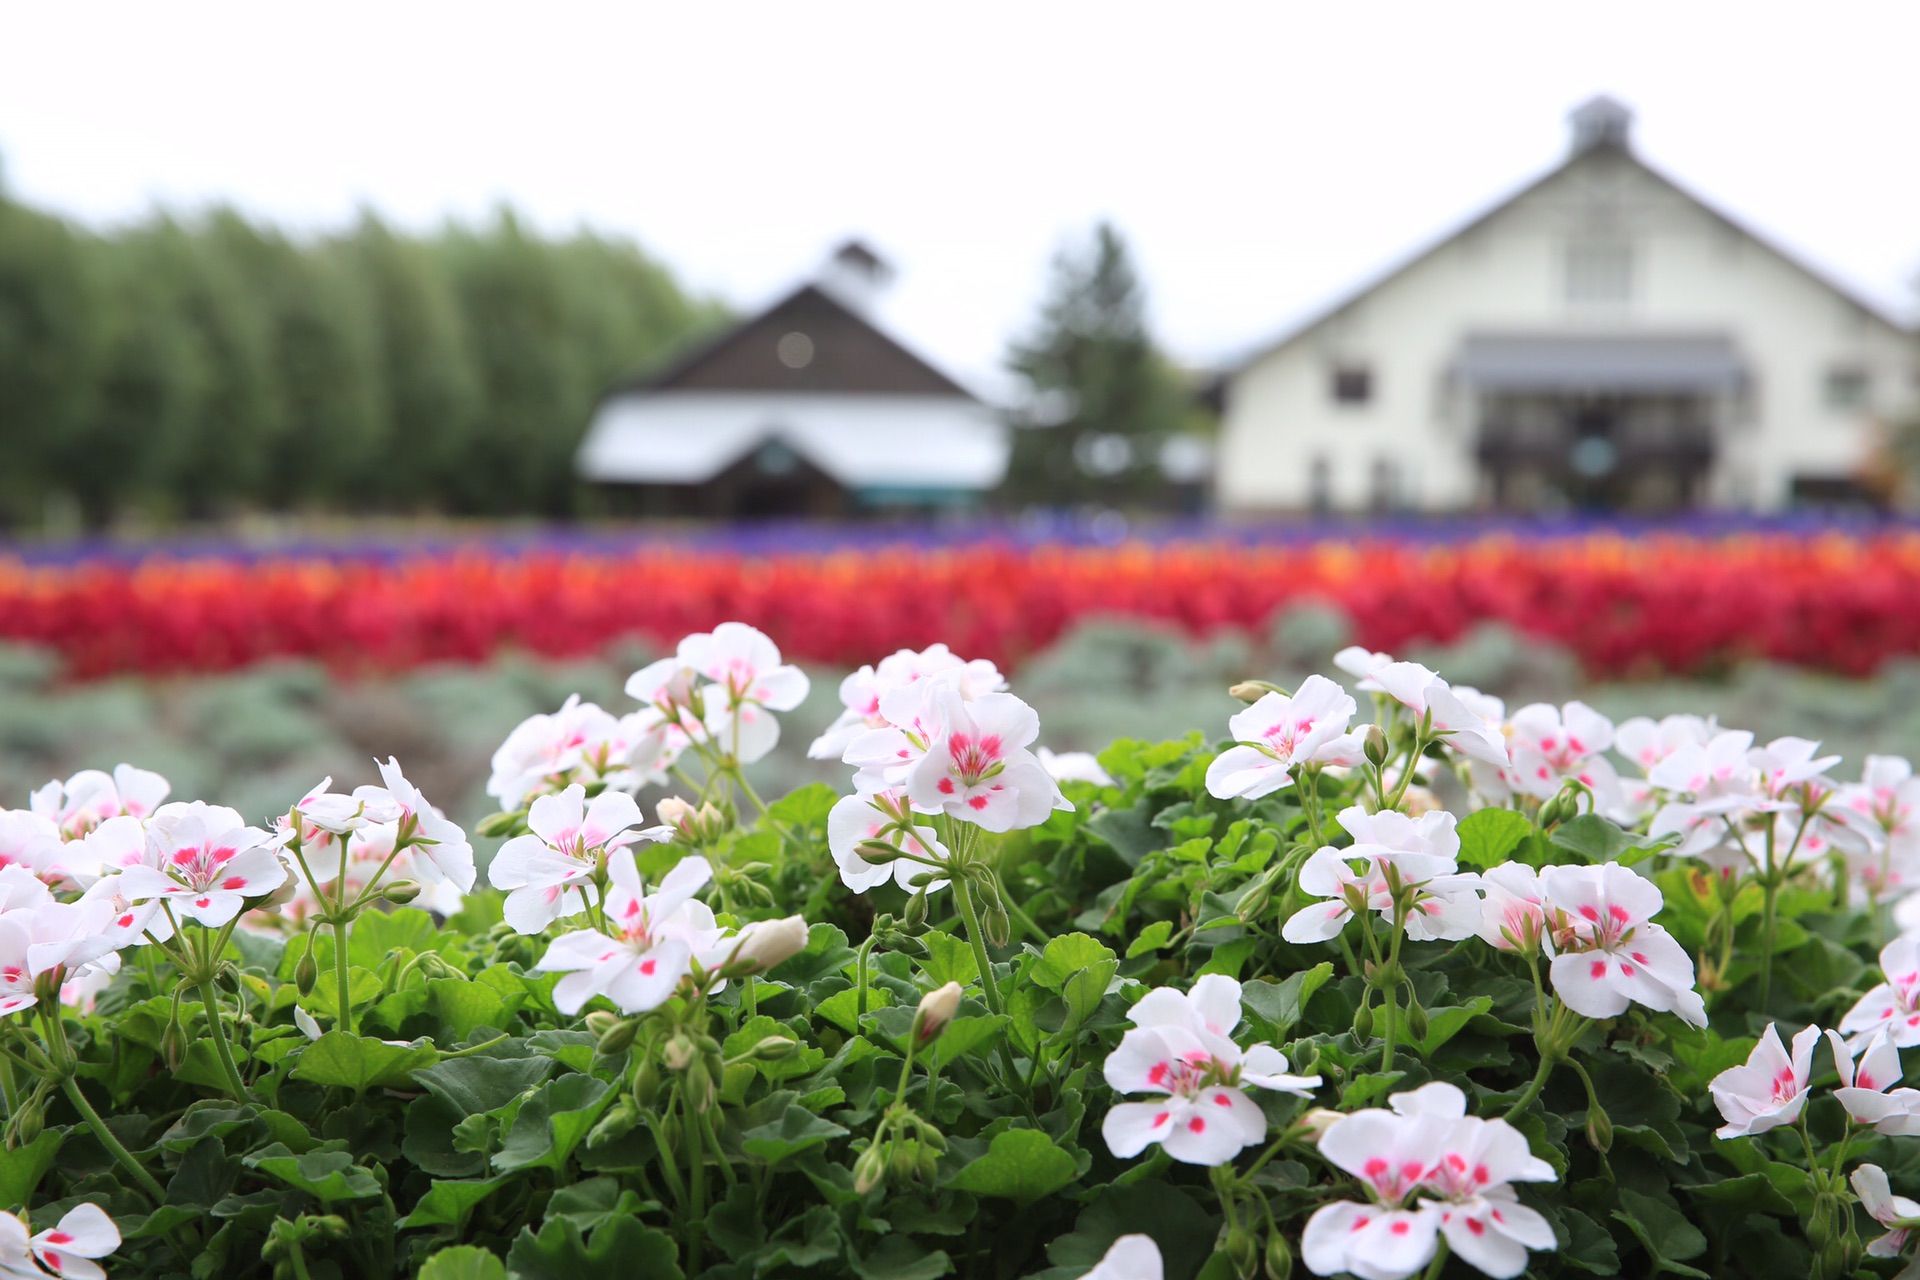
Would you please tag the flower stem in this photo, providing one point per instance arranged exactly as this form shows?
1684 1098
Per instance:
1538 1083
217 1029
1439 1262
148 1183
697 1178
344 1021
964 898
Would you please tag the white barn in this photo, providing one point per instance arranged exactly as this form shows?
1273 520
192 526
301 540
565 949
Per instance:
1604 339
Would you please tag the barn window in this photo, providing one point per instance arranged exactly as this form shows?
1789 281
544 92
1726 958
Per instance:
1847 388
1352 384
1599 271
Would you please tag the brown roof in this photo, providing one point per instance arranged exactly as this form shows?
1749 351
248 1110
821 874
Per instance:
844 353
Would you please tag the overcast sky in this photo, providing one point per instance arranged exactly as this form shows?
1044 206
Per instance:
1262 158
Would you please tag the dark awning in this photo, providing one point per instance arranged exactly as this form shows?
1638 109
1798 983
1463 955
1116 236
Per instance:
1595 362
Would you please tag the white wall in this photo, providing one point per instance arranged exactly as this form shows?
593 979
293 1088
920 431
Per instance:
1691 272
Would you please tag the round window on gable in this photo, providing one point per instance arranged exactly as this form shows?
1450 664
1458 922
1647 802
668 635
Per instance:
795 350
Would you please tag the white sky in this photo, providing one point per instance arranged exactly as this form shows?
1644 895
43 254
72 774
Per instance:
1262 158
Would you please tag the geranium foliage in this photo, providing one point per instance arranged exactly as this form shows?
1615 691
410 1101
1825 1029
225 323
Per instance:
1437 989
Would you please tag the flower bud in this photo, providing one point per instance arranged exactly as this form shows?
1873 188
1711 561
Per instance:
1242 1249
1254 690
401 892
678 814
1317 1121
306 972
616 1124
995 924
877 852
617 1038
1416 1020
916 914
1599 1129
775 1049
680 1052
699 1086
766 944
1363 1022
26 1125
870 1170
936 1010
500 824
173 1044
646 1084
1279 1261
1375 745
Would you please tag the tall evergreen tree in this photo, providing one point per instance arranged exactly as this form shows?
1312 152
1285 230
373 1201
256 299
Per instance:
52 347
1102 400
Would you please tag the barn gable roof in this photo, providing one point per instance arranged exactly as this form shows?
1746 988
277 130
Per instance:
1611 144
837 350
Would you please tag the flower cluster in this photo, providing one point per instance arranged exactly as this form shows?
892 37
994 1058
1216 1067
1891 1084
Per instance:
1430 1171
1181 1047
932 739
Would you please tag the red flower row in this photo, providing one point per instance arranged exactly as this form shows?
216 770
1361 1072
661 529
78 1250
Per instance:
1624 604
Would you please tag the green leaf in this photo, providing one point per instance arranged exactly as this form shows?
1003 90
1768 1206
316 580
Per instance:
806 807
330 1177
1283 1004
463 1262
1749 1193
1152 938
795 1131
1488 837
898 1258
376 933
22 1168
475 1086
1363 1089
450 1203
1597 839
1448 1021
1667 1235
552 1123
1183 1231
360 1062
1021 1164
842 1008
968 1035
949 959
1067 955
620 1249
596 1201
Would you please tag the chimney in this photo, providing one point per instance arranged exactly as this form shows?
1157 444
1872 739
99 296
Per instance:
855 274
1601 122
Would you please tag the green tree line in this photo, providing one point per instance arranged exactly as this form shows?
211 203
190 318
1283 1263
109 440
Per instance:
188 368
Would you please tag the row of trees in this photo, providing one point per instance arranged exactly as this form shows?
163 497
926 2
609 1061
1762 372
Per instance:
189 368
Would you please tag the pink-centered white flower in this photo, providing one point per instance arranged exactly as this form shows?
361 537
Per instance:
1181 1047
1513 911
1897 1214
883 817
1886 803
1134 1257
748 683
861 692
1609 953
581 742
62 940
650 945
1280 734
442 848
548 873
1433 704
1428 1168
204 864
979 769
1074 766
1551 745
90 797
1893 1005
67 1249
1416 855
1769 1089
323 820
28 839
1867 1091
